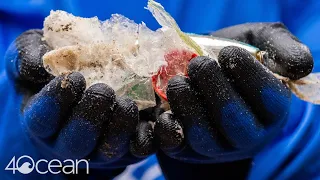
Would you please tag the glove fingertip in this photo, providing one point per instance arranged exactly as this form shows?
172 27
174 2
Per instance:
182 97
78 84
120 129
169 131
103 90
80 135
288 56
24 58
45 111
197 65
143 143
128 109
267 96
298 61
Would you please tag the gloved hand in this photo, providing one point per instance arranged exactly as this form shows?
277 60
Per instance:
65 121
224 114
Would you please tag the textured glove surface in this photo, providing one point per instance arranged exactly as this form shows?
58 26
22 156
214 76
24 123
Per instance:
66 120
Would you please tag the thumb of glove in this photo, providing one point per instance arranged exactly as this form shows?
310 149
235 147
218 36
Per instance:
24 57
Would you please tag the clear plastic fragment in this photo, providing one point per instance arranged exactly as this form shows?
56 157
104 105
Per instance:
118 52
165 20
307 88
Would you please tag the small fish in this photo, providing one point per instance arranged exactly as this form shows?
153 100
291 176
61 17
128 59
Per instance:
306 88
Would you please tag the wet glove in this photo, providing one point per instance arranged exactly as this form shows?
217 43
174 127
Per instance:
66 120
228 109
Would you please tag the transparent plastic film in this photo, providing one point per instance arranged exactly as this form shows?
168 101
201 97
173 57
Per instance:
141 91
165 20
307 88
118 52
112 71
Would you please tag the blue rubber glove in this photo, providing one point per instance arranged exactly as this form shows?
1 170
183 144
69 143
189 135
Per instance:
223 114
65 121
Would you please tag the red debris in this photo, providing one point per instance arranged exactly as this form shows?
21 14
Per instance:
178 61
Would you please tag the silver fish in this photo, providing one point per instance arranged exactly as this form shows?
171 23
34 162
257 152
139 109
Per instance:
306 88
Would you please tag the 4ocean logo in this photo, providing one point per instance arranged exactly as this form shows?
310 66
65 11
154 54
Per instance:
25 165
